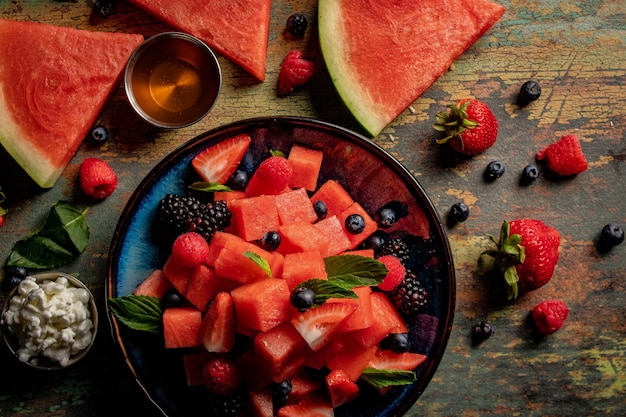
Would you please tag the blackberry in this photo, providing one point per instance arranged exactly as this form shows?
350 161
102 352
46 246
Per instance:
229 405
397 247
410 297
181 214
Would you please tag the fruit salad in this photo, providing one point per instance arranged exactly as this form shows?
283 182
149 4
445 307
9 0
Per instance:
282 295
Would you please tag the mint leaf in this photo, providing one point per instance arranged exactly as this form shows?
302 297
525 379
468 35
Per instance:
260 261
61 237
208 186
381 378
325 289
355 270
139 312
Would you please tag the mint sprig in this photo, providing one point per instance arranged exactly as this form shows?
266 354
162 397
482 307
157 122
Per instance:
260 261
61 237
208 187
325 289
383 378
139 312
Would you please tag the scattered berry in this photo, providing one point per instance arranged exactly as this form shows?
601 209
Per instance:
564 157
409 296
97 178
1 220
481 331
469 125
190 249
220 375
549 316
172 298
355 224
270 240
13 275
271 177
529 92
395 275
320 209
376 240
495 169
612 234
295 71
296 25
99 133
396 342
181 214
302 298
529 174
390 213
104 8
459 212
230 405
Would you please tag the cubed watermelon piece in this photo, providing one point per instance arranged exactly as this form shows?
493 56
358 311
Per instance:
368 253
155 284
254 376
193 363
181 326
233 263
386 319
260 403
254 216
336 234
352 360
306 163
363 316
295 206
263 304
302 236
302 385
201 287
302 266
228 195
217 332
335 196
179 275
281 351
370 224
217 243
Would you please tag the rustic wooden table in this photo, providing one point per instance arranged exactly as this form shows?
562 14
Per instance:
575 49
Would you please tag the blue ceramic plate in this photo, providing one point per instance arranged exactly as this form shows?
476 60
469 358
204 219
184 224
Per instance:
372 177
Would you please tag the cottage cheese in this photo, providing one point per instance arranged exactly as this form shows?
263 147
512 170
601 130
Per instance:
50 319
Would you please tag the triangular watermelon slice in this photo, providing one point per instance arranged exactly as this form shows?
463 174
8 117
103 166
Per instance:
236 29
54 83
383 55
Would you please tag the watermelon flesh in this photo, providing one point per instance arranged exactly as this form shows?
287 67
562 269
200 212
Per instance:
382 56
236 29
54 83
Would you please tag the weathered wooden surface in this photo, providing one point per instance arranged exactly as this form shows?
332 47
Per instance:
576 50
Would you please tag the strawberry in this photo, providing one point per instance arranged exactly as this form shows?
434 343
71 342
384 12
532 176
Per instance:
217 163
295 71
527 253
311 406
271 177
469 125
217 331
1 220
564 157
190 249
395 274
549 316
317 325
97 178
220 375
341 389
405 361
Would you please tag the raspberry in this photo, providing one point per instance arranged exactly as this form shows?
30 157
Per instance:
395 275
295 71
271 177
190 249
220 375
564 157
549 316
397 247
97 178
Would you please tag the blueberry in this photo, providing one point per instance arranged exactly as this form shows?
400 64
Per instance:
271 240
302 298
320 209
395 342
239 179
494 170
390 213
612 234
171 298
296 25
104 8
99 133
355 224
13 275
529 174
376 240
459 212
530 91
280 392
482 331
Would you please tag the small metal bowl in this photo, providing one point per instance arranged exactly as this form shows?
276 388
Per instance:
40 361
172 80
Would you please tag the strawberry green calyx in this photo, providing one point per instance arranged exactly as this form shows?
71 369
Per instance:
509 252
455 122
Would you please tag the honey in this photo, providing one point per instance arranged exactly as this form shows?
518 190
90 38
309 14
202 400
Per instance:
172 82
